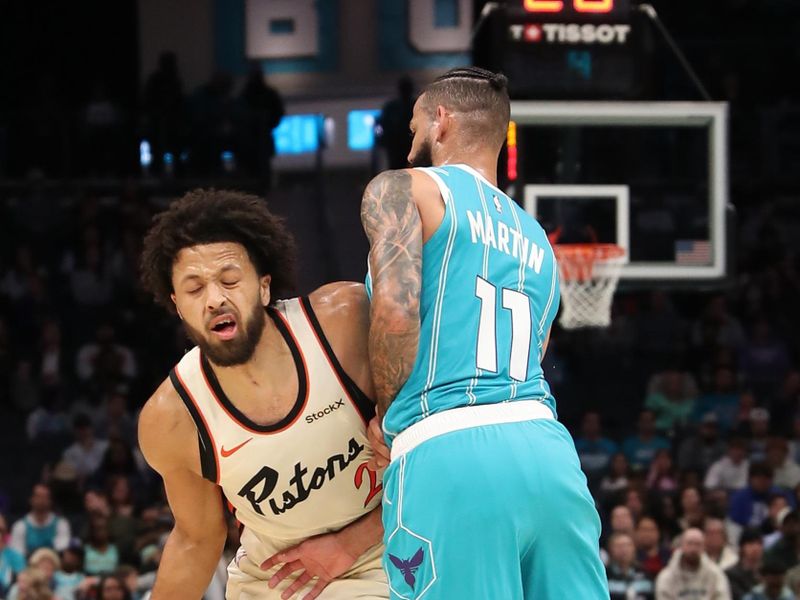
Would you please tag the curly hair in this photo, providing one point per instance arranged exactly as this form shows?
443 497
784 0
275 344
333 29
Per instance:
207 216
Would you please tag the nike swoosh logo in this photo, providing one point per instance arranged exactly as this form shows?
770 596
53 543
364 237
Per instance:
227 453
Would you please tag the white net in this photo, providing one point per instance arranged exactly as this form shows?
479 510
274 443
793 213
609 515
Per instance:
589 276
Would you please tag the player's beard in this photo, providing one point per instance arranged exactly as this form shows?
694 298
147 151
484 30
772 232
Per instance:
424 156
240 349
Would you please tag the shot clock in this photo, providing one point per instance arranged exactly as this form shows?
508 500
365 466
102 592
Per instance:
566 49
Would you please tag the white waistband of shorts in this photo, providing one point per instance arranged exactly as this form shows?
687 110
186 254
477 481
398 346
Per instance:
465 417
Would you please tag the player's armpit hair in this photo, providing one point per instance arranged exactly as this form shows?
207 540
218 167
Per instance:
394 229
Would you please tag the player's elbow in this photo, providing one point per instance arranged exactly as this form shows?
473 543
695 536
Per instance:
210 538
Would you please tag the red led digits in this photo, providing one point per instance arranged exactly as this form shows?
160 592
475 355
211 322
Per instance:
549 6
583 6
594 6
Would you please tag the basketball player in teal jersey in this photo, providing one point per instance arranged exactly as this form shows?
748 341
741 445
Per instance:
484 497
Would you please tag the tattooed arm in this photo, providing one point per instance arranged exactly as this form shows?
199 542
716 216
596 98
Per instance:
392 224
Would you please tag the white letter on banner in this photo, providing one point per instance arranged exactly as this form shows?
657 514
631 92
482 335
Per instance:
281 28
426 37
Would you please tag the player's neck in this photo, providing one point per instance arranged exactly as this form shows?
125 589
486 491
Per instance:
482 162
271 357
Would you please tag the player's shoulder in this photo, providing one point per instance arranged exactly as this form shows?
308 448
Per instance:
339 301
416 182
165 428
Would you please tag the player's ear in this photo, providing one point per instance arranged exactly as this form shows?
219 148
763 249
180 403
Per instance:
177 310
264 290
443 122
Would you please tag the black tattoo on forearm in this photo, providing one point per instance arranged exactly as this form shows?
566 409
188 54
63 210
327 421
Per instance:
392 224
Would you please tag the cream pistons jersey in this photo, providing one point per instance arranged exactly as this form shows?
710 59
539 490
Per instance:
304 475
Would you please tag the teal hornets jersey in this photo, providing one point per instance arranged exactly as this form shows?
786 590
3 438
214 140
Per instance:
489 295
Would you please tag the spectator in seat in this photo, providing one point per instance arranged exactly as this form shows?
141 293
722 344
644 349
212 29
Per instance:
759 434
747 402
40 528
45 561
651 554
100 555
691 574
750 506
745 575
786 550
49 420
774 584
666 514
52 363
635 502
87 452
717 547
794 441
771 526
594 450
115 421
112 587
703 448
671 396
105 362
625 580
663 475
764 360
616 481
641 448
693 512
122 521
12 563
31 585
717 328
70 580
786 472
722 400
730 471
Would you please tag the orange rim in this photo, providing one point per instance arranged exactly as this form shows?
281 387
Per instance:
593 252
577 260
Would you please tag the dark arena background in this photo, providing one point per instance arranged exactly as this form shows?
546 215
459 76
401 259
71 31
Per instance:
670 130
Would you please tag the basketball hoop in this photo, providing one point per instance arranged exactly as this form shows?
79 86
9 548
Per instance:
589 276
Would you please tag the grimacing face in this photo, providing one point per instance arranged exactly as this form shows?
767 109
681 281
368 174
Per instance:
220 299
421 126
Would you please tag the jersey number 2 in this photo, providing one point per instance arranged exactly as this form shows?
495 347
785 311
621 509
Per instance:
518 305
374 485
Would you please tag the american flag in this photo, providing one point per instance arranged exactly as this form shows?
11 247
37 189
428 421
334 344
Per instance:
693 252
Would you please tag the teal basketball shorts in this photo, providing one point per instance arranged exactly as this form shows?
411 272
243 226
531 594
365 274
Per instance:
490 512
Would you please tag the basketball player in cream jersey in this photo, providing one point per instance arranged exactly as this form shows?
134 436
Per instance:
270 408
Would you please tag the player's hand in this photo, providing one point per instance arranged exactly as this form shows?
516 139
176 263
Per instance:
323 557
382 454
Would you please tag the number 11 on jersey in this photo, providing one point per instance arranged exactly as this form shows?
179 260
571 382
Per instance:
518 304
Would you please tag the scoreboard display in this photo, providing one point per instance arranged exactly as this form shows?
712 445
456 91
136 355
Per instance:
566 49
577 8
